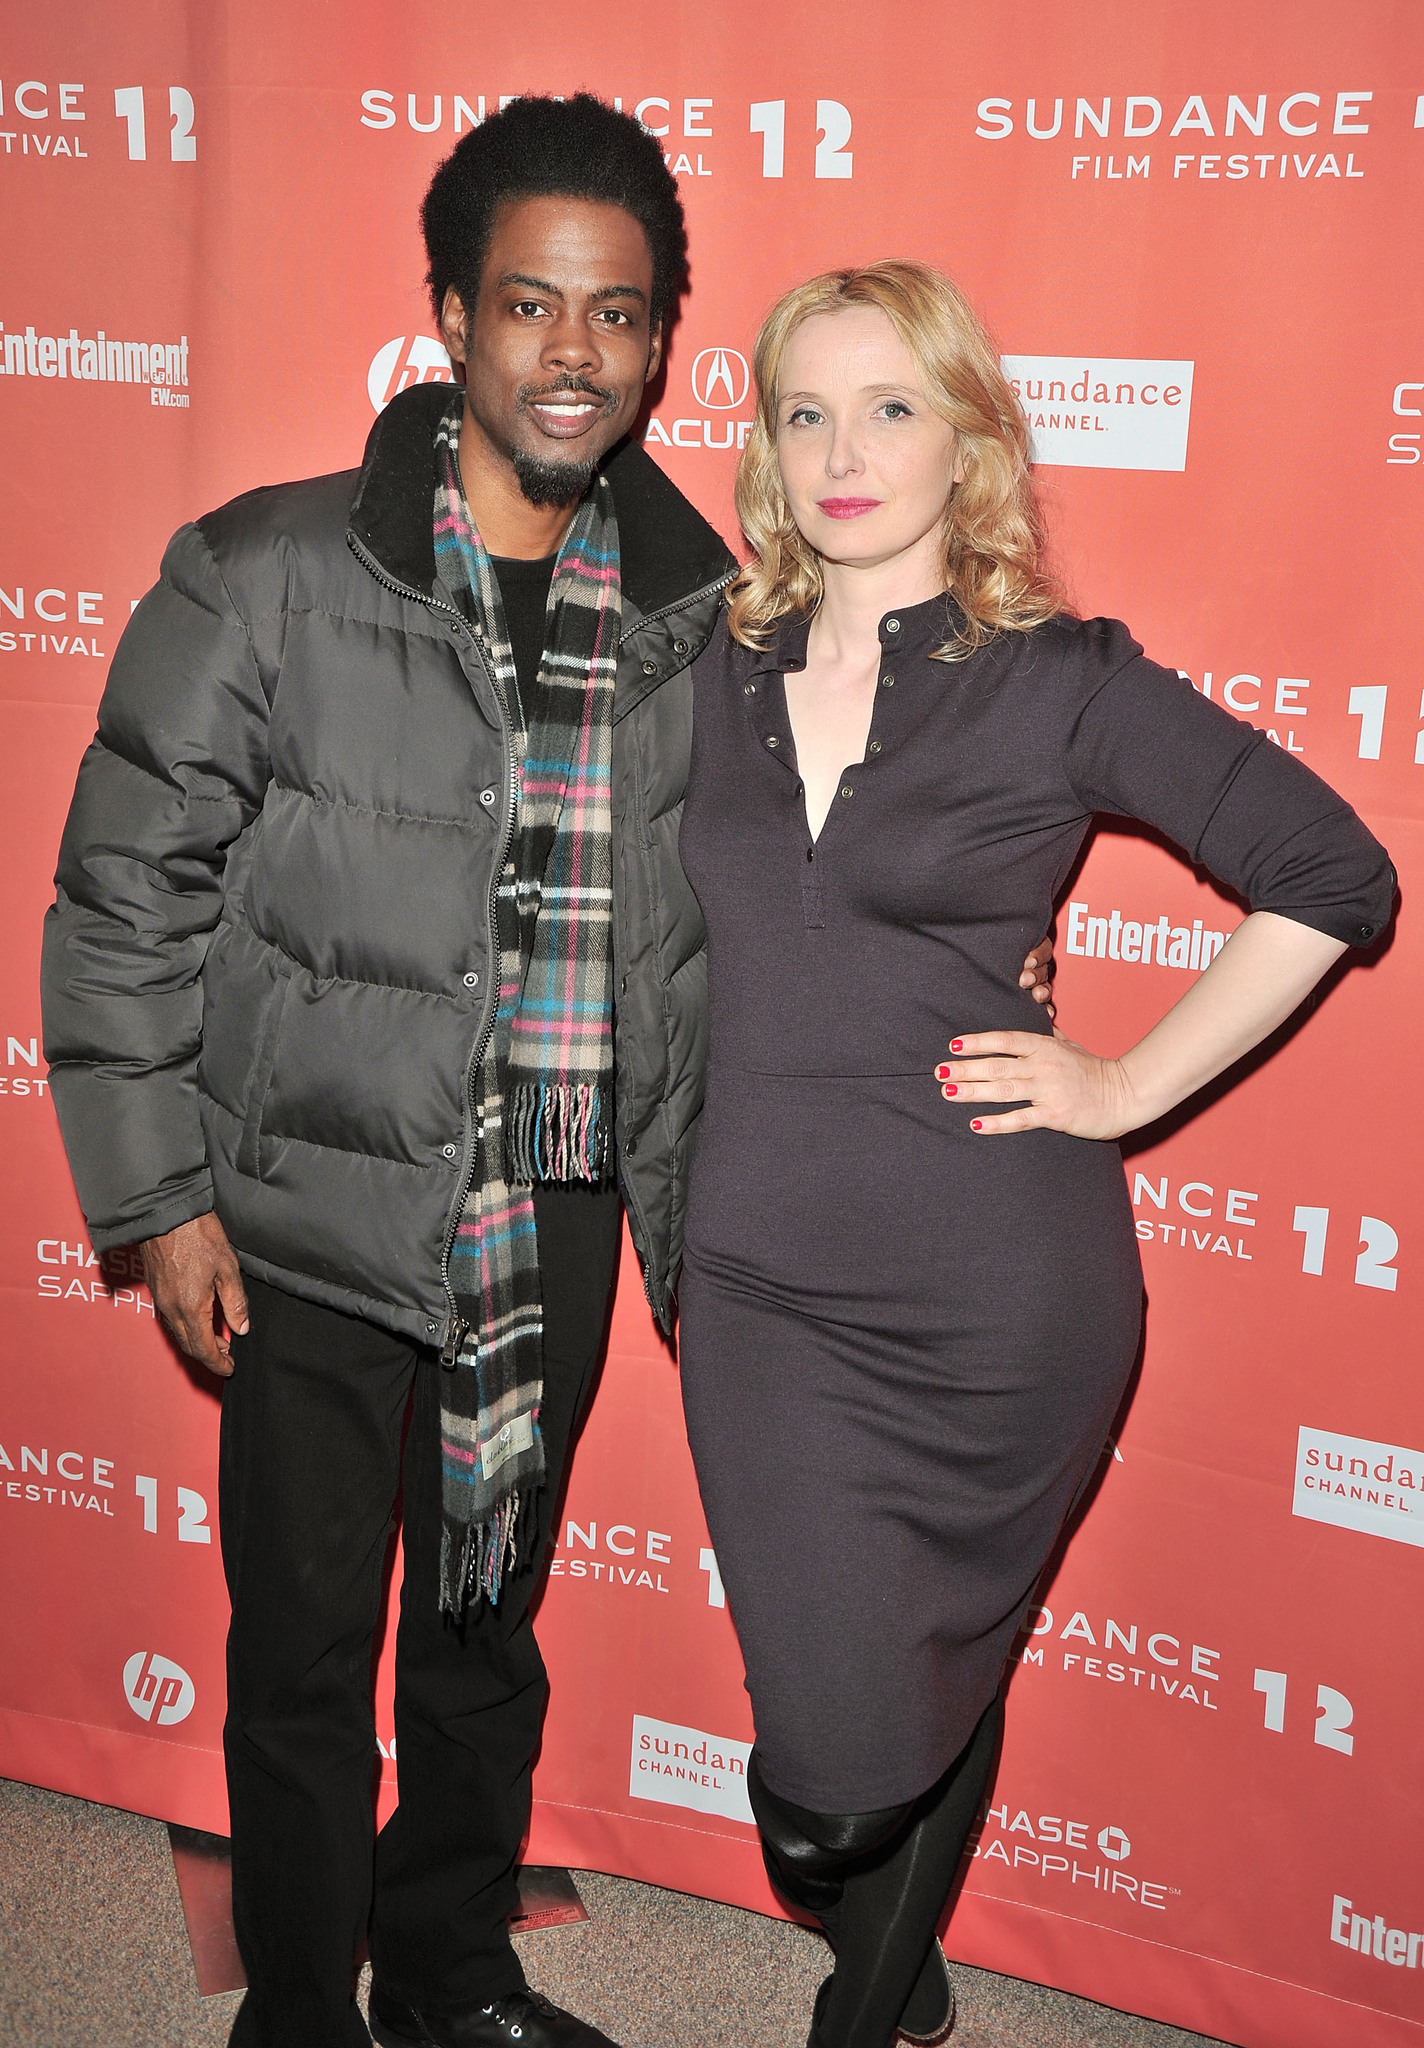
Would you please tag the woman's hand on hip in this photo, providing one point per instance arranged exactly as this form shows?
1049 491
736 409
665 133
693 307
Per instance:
1066 1087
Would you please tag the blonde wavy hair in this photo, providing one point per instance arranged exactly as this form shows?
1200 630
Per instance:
993 538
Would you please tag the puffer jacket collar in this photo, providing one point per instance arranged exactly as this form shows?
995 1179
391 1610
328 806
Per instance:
669 553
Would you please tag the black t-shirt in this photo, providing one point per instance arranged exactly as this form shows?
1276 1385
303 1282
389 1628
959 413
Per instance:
524 587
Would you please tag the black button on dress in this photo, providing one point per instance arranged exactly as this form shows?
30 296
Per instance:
903 1345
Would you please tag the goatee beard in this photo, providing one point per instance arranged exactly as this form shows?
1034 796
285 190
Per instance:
551 483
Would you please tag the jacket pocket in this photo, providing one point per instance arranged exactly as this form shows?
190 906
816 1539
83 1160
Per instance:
263 1060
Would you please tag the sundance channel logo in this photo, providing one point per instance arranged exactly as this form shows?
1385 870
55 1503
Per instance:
1377 1489
1109 412
687 1767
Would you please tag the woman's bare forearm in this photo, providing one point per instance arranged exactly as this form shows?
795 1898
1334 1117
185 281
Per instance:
1266 969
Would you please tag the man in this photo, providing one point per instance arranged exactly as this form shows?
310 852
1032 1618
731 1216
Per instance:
379 826
296 871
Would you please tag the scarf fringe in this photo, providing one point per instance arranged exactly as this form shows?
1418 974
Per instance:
558 1131
487 1550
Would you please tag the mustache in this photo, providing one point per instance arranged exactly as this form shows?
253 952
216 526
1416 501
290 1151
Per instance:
568 387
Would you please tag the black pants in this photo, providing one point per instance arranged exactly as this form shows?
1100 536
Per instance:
311 1464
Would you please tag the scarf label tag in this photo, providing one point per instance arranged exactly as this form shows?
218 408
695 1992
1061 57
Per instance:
507 1443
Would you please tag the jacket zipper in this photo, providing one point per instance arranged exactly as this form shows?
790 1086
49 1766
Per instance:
456 1327
653 619
679 605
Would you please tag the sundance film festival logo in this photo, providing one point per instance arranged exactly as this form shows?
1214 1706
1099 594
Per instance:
409 359
157 1689
1212 136
1111 412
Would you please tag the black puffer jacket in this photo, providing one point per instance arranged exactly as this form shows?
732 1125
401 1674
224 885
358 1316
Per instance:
269 963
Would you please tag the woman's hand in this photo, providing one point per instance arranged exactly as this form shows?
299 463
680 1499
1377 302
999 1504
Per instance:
1068 1088
1263 972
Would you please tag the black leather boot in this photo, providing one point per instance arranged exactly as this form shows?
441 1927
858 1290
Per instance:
886 1952
893 1870
808 1857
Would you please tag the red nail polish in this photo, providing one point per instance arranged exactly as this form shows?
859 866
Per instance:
975 1124
956 1045
941 1073
950 1088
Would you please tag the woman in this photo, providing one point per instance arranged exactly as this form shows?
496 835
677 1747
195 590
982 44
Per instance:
911 1296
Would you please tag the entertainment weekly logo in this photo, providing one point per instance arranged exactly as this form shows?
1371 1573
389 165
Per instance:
1111 936
1372 1936
677 1766
95 359
1104 412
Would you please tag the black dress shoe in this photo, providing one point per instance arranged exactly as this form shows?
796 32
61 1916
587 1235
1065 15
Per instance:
520 2019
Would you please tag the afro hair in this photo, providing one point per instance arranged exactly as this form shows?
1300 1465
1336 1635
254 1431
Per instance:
579 148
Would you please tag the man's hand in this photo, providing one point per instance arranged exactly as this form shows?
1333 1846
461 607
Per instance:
193 1276
1037 970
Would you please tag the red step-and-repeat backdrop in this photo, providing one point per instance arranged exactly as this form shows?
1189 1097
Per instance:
1194 229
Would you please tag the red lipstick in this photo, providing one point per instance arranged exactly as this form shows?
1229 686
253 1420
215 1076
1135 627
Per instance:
846 508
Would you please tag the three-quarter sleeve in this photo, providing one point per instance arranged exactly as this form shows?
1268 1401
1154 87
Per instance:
1147 745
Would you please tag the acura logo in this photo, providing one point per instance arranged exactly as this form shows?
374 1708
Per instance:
720 378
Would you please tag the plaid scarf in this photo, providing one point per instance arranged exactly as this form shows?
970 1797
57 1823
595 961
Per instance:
544 1084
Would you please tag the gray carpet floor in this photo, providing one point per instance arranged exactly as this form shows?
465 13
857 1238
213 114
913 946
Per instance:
94 1954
